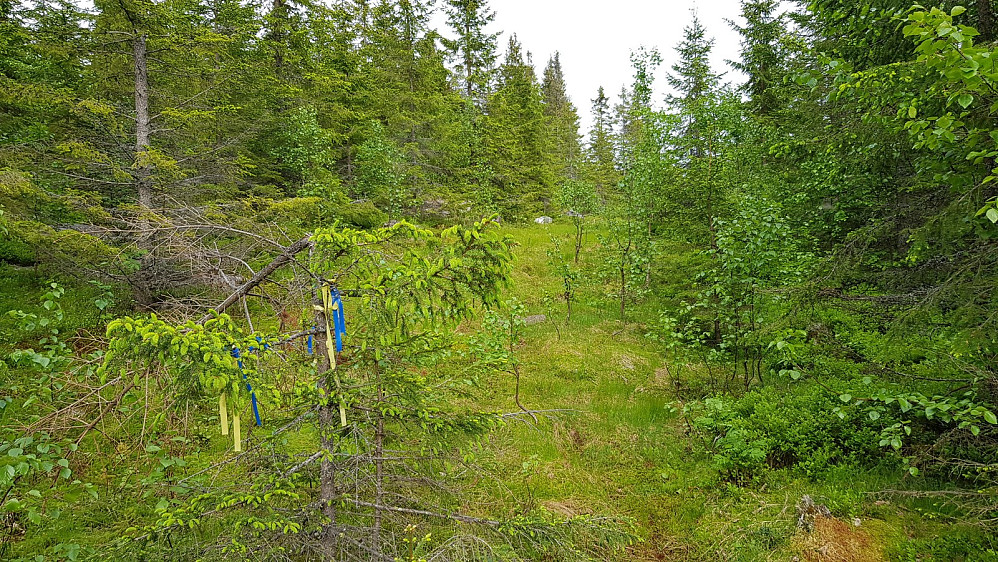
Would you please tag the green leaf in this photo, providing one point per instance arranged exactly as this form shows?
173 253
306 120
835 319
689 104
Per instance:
965 100
992 214
912 112
845 397
874 415
957 10
989 417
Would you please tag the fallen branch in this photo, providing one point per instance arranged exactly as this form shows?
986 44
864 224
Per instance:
284 257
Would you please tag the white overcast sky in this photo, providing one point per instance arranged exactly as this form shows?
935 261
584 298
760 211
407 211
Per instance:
595 38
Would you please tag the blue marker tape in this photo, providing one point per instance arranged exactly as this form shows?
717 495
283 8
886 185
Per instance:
239 361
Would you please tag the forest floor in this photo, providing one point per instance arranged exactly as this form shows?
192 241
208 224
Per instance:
613 441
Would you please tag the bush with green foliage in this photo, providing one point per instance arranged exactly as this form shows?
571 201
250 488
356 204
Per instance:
800 427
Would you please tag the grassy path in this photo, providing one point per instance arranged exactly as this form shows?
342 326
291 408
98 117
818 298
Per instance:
616 446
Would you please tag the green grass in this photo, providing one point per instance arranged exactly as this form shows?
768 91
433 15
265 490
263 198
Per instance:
22 289
612 445
609 440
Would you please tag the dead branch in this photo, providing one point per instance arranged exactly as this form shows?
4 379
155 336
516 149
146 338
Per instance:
283 258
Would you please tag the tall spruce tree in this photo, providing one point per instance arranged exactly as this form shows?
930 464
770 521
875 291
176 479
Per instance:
409 90
600 159
164 82
474 49
562 120
697 108
692 78
760 60
517 139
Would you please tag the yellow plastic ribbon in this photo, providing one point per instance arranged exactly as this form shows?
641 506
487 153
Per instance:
223 414
327 308
327 305
236 435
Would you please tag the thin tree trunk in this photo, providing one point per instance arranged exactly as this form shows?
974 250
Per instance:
578 238
711 226
284 257
623 291
379 473
468 62
985 20
328 414
142 122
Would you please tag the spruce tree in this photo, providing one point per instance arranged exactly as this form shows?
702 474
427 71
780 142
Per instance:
760 56
409 90
600 158
697 137
562 120
516 138
474 50
171 80
692 78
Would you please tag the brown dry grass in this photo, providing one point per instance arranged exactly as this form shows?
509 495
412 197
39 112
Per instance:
834 540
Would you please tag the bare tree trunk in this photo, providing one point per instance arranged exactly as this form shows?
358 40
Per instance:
379 472
327 422
284 257
985 20
623 290
578 237
142 121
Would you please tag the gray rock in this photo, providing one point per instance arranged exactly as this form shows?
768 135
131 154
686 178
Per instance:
534 319
808 511
544 220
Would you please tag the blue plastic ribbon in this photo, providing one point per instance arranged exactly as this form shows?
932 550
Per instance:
239 361
339 320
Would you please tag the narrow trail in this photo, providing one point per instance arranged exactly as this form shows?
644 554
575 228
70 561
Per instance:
617 444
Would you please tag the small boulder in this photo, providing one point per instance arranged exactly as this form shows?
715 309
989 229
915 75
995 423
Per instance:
808 511
544 220
534 319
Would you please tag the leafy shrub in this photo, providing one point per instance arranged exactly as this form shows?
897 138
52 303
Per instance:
802 428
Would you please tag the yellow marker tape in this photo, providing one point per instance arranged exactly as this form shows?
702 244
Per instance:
236 434
327 303
223 414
